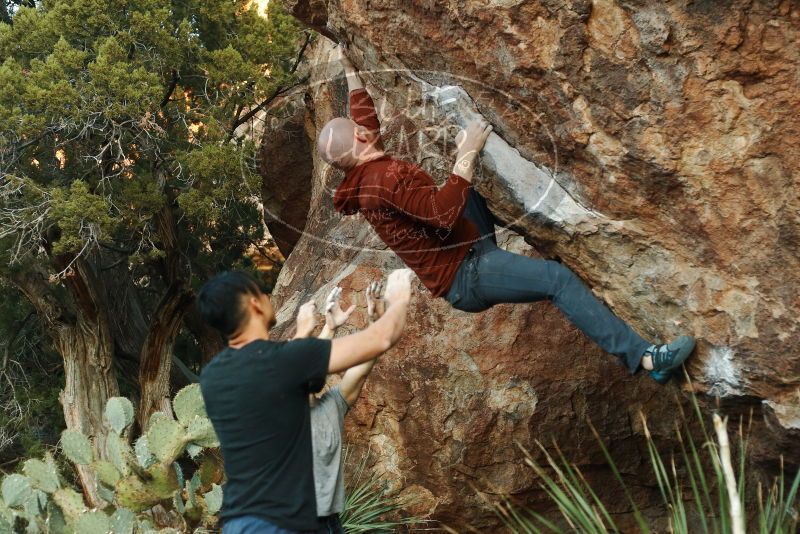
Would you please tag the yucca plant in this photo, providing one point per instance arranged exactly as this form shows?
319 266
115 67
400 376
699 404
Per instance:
701 490
368 505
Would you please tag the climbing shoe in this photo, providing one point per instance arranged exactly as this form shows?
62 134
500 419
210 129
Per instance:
670 355
662 377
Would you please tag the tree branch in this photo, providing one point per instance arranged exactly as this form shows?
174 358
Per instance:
239 120
171 88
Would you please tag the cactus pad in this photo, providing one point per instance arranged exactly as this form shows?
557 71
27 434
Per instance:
70 502
122 522
201 432
188 403
42 474
106 473
119 453
95 522
177 501
76 447
194 450
133 494
166 438
35 504
56 523
16 490
213 499
163 480
119 414
143 455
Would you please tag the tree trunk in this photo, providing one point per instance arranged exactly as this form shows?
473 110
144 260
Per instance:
156 360
81 334
89 383
208 338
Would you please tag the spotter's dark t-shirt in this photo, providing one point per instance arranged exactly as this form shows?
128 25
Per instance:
257 400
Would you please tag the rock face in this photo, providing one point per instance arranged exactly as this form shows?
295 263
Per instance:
651 147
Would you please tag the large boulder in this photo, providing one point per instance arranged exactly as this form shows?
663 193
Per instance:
651 147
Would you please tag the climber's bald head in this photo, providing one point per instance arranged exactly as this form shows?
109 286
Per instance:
345 144
337 143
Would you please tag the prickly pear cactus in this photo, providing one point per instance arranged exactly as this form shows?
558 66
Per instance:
94 522
118 414
119 453
201 432
166 438
76 447
107 473
70 502
214 499
131 479
16 490
144 457
123 521
188 404
42 475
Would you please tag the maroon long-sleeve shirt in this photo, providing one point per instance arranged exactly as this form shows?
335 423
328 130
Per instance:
420 222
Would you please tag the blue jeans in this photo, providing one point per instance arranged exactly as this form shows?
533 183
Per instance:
489 275
250 524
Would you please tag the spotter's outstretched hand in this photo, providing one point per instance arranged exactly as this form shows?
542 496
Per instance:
375 303
306 319
334 315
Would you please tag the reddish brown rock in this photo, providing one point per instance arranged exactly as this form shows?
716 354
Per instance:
651 147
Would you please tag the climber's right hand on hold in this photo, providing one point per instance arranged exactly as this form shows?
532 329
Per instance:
470 142
398 287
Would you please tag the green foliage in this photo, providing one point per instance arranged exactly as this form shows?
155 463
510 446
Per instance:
133 107
130 483
368 506
31 416
119 150
693 491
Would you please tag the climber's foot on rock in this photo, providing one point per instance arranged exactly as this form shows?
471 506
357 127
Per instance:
662 377
662 359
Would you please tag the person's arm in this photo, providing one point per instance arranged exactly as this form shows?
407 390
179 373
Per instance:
354 378
349 351
351 74
362 108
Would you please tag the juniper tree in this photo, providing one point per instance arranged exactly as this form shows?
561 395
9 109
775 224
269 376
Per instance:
123 182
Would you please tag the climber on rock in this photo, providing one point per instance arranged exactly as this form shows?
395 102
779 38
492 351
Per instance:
256 395
329 409
446 234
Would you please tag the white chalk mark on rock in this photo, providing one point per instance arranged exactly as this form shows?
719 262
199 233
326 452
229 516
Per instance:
722 373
